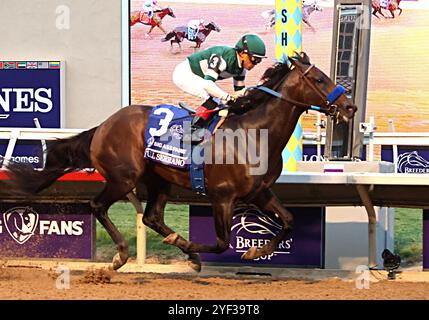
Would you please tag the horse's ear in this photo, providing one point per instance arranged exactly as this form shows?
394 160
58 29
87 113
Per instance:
304 58
299 59
295 60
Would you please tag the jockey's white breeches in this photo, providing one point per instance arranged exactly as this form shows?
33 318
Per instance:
185 79
149 11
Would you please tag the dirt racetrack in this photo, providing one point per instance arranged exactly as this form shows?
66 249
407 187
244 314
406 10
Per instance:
39 284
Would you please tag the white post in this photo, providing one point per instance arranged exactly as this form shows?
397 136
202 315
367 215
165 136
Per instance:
371 138
141 229
14 135
395 146
43 142
319 125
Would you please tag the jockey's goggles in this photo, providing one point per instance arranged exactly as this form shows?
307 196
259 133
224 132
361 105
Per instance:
254 60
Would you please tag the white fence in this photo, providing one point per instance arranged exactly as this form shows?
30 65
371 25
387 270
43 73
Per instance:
371 139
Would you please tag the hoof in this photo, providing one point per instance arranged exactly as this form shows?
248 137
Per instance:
250 254
194 262
118 262
171 238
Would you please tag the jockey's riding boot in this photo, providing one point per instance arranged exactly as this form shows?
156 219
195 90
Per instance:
199 124
198 129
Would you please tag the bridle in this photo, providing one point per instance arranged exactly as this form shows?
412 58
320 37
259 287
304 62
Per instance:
329 108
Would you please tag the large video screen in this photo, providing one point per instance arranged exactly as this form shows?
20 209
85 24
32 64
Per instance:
398 84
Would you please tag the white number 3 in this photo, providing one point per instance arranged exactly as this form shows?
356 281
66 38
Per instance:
214 63
163 122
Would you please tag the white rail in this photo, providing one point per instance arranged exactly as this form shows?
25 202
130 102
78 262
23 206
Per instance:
310 138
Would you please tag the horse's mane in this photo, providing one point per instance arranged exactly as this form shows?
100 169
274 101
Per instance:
270 79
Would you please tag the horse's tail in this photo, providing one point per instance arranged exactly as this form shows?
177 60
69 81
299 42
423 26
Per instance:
63 155
134 18
169 36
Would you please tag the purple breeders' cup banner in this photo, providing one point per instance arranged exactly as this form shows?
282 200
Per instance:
303 247
411 159
29 152
46 230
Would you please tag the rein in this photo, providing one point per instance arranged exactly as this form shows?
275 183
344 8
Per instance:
329 109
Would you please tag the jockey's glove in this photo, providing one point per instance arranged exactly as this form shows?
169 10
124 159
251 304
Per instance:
230 99
234 96
239 93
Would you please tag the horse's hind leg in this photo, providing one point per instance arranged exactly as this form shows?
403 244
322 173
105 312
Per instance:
267 201
111 193
158 190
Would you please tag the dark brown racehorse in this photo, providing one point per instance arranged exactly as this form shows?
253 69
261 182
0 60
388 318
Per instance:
116 149
155 21
392 7
181 33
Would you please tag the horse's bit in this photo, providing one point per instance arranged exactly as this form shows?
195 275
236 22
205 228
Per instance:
329 108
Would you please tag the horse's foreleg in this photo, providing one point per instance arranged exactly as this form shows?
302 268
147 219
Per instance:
162 29
153 217
374 12
267 201
310 26
147 35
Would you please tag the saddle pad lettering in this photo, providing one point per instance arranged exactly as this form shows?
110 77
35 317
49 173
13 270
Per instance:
167 125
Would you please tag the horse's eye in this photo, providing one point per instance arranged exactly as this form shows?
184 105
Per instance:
320 80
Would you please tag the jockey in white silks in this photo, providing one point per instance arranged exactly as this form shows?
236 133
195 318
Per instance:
384 3
194 26
149 6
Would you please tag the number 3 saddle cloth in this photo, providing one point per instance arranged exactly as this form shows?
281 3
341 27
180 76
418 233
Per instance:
167 136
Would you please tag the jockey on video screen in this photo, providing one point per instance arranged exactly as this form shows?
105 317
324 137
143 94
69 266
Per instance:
149 6
195 26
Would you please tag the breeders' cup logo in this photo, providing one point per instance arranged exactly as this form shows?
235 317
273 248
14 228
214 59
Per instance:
177 131
254 228
20 223
412 162
26 100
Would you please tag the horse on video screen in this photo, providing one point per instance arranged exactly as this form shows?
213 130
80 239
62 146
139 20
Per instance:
181 33
155 21
307 10
390 5
116 149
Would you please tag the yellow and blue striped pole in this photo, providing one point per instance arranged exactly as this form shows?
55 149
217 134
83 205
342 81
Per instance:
288 40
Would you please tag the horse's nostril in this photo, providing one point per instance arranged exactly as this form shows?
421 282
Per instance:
351 108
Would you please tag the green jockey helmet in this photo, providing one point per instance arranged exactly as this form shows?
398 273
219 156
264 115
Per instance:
251 44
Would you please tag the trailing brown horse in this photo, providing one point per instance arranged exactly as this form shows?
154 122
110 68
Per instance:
155 21
116 149
181 33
